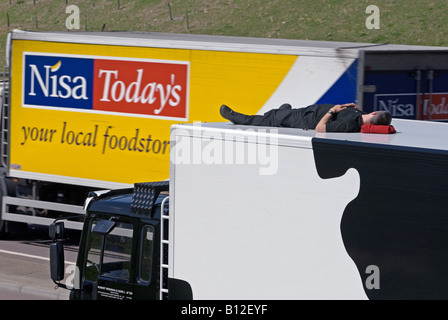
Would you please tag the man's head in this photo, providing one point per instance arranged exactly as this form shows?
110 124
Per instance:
378 118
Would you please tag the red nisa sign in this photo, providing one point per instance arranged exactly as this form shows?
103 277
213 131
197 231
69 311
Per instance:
435 108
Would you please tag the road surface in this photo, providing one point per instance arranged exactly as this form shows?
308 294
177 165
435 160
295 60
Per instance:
25 266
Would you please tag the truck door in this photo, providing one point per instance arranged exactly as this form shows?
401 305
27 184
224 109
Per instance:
108 264
119 260
147 262
410 85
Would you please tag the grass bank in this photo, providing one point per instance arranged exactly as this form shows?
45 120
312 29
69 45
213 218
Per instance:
400 21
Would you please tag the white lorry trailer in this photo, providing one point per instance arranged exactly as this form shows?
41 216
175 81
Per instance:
274 213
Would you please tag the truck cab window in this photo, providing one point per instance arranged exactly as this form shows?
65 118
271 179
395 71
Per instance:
146 258
93 255
117 252
110 254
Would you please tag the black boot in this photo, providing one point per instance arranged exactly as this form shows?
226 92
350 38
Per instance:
235 117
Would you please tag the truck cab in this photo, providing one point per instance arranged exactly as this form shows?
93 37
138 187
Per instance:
119 251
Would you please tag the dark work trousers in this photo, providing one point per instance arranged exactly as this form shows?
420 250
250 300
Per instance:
286 116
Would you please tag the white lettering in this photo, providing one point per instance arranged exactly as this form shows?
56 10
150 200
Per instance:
163 96
373 280
65 85
198 310
138 92
54 83
113 92
43 86
432 109
175 100
245 309
373 21
229 148
82 87
135 98
150 95
72 21
397 109
106 83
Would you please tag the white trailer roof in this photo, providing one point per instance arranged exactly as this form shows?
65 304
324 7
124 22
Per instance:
218 43
410 134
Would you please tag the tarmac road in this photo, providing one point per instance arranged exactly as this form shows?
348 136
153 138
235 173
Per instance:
25 266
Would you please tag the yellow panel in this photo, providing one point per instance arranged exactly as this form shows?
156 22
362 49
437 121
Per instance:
125 148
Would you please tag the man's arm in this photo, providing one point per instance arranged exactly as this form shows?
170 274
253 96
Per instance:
321 126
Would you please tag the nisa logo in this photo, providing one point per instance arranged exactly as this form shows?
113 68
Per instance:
60 87
398 105
148 88
58 82
411 106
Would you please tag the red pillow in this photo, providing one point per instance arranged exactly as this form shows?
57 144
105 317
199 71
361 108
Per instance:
374 128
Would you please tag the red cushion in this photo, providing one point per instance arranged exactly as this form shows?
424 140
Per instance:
373 128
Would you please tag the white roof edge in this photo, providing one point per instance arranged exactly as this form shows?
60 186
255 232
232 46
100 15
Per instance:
417 134
188 37
180 41
218 42
229 132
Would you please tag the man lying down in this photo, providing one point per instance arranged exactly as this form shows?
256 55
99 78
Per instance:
321 117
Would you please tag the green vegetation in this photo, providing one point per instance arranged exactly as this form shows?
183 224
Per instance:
401 21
